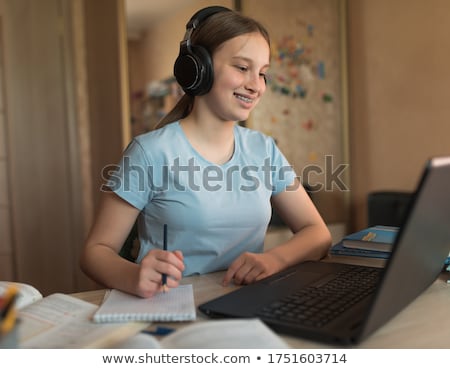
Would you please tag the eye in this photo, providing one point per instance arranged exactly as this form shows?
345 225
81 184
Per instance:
263 75
242 68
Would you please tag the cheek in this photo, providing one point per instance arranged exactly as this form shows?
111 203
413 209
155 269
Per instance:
227 79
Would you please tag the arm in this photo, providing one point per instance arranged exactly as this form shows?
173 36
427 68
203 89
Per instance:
310 241
100 258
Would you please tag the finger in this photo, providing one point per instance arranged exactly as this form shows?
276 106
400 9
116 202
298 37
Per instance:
170 283
164 260
179 254
161 262
149 271
175 258
262 275
232 269
149 283
171 271
241 275
253 275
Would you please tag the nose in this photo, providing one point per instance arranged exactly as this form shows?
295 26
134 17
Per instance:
255 83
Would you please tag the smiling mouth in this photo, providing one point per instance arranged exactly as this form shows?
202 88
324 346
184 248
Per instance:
243 98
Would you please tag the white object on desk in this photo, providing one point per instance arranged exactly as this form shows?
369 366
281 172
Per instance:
175 305
63 321
26 296
213 334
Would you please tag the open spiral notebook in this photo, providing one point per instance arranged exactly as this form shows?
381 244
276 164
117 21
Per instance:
175 305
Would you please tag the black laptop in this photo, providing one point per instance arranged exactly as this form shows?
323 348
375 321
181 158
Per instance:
341 303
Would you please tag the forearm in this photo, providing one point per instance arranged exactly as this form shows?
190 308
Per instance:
105 266
310 243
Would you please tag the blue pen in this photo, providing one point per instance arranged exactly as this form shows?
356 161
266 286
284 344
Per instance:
159 331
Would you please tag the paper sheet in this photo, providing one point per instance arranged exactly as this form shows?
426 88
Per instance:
175 305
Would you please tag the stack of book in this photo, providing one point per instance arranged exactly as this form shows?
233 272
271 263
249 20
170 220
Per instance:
372 242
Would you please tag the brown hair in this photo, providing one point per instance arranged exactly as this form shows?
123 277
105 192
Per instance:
213 32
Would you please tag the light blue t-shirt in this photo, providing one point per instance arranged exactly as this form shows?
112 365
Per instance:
213 212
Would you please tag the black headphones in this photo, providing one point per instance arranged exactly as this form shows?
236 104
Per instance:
193 67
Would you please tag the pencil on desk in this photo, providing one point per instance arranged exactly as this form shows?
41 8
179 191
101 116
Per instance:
164 276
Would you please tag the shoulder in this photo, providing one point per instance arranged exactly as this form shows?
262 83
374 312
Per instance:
252 136
256 142
154 145
158 136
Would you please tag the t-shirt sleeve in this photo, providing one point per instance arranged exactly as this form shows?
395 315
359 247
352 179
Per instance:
283 174
130 178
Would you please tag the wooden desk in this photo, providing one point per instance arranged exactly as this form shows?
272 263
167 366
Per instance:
425 323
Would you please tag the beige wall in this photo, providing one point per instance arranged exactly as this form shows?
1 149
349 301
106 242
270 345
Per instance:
399 54
161 43
280 116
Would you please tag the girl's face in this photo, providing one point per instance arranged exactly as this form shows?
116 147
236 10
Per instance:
240 65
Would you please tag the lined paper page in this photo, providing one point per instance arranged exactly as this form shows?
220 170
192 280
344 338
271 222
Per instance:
175 305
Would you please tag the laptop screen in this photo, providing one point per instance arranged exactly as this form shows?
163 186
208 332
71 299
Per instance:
422 245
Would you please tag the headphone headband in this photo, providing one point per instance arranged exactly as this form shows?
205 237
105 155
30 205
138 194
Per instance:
204 13
193 68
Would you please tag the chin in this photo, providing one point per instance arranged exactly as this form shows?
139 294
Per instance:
236 115
242 117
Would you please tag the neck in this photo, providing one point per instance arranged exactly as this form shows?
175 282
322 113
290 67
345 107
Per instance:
212 138
208 128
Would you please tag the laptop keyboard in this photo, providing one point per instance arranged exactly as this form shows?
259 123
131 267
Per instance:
317 306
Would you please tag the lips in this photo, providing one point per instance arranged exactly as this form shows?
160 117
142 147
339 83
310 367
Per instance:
243 98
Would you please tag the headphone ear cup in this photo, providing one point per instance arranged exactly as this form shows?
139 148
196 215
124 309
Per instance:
193 71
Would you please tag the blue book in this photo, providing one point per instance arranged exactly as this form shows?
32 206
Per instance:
373 251
340 249
377 238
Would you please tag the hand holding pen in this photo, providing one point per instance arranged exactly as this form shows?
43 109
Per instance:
159 267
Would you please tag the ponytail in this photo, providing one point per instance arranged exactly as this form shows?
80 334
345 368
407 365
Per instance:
181 110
